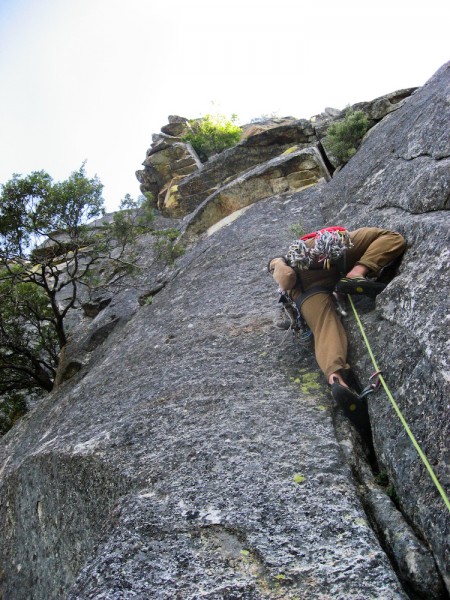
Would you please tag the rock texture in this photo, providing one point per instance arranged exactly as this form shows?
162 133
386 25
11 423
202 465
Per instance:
164 166
294 170
400 179
197 454
177 179
191 190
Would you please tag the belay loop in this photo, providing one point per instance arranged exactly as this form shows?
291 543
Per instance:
330 244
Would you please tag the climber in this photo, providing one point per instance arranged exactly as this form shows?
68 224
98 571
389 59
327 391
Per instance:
327 263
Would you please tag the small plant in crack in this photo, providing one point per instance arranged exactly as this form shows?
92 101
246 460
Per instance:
382 479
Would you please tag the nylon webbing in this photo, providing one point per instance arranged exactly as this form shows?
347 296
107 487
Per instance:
399 413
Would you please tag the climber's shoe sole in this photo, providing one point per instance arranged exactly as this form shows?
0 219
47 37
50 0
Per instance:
359 285
353 406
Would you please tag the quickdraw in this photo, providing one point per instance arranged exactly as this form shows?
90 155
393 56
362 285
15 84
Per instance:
372 387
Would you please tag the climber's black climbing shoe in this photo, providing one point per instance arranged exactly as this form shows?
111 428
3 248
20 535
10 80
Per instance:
359 285
353 405
344 396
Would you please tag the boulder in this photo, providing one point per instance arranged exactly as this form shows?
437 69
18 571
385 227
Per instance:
176 127
263 124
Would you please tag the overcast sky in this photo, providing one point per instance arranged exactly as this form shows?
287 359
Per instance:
94 79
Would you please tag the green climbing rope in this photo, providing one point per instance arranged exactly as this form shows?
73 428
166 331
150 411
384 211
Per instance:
399 413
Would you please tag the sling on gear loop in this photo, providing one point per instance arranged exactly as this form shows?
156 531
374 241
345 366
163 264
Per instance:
398 411
330 244
298 324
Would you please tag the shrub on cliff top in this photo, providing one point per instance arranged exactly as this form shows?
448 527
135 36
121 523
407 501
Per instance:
344 137
212 134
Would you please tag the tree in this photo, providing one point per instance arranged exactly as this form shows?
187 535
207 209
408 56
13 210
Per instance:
47 251
34 209
28 341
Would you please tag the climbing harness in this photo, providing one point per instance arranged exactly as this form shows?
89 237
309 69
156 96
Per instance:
398 411
292 310
330 245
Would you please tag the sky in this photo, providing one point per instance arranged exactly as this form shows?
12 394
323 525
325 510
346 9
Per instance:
92 80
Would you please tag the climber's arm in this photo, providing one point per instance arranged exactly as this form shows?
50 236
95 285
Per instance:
283 274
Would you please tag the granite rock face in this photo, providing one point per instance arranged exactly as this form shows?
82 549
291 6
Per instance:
195 419
199 455
400 179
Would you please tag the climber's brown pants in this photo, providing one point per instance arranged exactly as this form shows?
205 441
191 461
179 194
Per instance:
374 248
330 338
